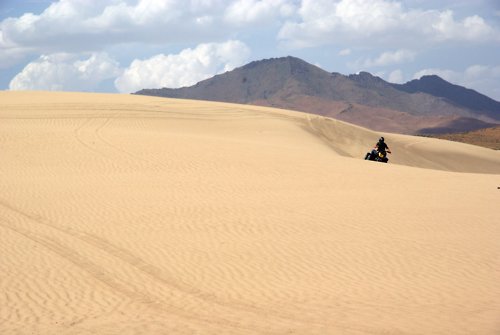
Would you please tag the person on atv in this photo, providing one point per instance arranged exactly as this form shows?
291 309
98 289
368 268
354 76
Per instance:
380 150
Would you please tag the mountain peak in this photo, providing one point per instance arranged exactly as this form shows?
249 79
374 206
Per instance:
292 83
293 61
428 79
431 77
366 79
459 95
291 65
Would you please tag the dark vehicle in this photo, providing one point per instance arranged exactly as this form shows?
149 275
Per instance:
377 156
379 152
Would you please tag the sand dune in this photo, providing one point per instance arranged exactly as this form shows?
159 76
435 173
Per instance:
139 215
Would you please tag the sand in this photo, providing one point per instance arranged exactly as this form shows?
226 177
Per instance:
128 214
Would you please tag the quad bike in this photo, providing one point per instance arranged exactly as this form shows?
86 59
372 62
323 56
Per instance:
377 156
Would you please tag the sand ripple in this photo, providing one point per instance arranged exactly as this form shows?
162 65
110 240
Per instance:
140 215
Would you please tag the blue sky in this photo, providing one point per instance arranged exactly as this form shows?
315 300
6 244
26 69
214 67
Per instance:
126 45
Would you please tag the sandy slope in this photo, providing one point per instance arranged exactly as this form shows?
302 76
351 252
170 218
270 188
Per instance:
139 215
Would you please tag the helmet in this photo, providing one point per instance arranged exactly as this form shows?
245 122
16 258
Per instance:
381 139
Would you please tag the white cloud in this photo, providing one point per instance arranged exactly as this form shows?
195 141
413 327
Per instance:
390 58
396 77
77 25
449 75
367 16
385 59
12 56
10 53
183 69
325 22
66 72
472 28
253 11
378 22
345 52
481 78
477 71
74 72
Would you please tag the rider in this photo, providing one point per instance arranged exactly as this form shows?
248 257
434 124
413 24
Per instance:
381 147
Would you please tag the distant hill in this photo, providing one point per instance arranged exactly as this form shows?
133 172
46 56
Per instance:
429 105
488 138
461 96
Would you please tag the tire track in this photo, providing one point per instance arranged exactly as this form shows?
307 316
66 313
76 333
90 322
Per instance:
316 127
107 278
89 135
79 131
116 148
100 273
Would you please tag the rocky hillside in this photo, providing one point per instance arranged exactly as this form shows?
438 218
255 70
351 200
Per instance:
428 105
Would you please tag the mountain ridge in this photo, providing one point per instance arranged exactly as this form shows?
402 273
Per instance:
463 96
362 99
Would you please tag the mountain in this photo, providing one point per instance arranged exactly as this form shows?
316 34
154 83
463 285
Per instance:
488 138
461 96
258 80
429 105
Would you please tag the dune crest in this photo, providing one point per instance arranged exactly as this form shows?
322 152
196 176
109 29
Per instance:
132 214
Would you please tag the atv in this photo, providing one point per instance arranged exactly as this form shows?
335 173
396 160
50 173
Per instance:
377 156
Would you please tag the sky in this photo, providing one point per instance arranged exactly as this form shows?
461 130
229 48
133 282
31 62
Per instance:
127 45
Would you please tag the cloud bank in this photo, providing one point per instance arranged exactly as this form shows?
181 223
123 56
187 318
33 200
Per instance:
90 26
183 69
75 25
390 58
71 72
68 72
243 12
375 22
